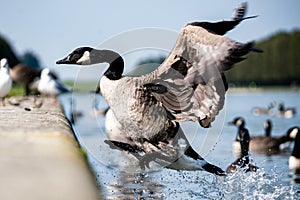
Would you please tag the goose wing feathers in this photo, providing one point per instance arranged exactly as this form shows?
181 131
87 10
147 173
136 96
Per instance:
193 73
224 26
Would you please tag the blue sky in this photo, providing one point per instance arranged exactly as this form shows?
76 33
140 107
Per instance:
51 29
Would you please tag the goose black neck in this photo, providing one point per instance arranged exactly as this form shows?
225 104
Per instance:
115 61
238 134
268 131
281 107
296 150
244 141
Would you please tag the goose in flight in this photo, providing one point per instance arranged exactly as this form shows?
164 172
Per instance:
189 85
5 80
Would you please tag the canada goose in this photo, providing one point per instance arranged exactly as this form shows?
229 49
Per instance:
243 160
286 112
294 160
189 85
270 111
50 86
236 145
262 144
269 144
5 80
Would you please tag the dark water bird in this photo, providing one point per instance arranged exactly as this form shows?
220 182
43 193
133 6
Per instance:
189 85
270 110
266 144
243 161
25 76
294 160
286 112
5 80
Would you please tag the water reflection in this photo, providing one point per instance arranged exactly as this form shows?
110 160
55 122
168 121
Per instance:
134 185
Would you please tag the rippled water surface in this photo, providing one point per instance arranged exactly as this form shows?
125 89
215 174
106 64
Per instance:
120 178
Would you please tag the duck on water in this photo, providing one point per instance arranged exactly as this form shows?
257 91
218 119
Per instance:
189 85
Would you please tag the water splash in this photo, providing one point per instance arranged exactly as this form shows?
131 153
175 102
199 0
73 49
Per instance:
259 185
170 184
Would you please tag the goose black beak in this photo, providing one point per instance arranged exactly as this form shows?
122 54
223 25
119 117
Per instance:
65 60
230 123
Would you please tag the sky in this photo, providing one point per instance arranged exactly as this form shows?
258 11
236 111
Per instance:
135 28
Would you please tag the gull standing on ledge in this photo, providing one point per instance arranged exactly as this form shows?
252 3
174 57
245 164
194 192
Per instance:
49 86
5 80
189 85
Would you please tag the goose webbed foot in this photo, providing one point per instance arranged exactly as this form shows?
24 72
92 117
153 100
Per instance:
145 160
252 168
132 149
213 169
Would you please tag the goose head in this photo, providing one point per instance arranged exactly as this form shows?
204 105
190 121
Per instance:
281 106
80 56
89 56
293 132
238 121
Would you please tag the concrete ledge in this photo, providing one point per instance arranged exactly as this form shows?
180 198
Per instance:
39 156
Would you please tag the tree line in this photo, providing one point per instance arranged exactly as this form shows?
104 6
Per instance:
279 64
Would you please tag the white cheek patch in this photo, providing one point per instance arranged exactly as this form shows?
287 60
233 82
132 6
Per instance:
239 122
266 125
85 59
294 133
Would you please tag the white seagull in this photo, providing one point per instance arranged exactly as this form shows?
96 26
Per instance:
189 85
50 86
5 80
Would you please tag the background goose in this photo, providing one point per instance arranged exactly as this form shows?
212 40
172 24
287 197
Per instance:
243 161
286 112
263 144
49 86
270 110
5 80
294 160
239 122
189 85
270 144
25 76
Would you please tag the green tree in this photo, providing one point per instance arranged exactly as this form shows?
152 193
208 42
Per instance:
278 65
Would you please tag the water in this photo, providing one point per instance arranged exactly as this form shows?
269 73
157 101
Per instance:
120 178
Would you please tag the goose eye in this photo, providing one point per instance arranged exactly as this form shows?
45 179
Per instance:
75 57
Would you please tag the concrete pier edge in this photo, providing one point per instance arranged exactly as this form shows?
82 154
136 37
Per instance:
40 157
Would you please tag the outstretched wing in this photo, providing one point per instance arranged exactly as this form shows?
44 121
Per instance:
222 27
193 74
